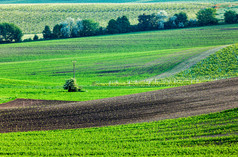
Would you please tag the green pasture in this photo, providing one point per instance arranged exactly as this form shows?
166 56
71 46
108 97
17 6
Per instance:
39 69
205 135
32 18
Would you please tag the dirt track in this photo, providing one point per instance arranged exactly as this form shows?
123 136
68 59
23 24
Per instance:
187 64
149 106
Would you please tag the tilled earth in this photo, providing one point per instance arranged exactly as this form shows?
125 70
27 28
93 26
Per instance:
29 115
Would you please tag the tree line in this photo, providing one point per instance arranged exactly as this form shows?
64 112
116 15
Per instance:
81 28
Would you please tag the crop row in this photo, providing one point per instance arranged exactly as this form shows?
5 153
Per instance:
212 135
221 64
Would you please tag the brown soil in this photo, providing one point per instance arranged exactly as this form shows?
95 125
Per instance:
150 106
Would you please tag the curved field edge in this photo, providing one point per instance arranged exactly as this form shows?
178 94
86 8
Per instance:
149 106
214 134
38 70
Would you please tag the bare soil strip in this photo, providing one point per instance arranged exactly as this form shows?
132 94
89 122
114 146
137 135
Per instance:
150 106
187 64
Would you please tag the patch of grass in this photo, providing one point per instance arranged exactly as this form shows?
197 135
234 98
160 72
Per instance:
205 135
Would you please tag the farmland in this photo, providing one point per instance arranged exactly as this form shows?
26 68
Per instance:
32 18
38 70
134 100
213 134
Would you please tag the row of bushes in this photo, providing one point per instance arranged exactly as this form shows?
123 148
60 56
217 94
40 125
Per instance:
80 28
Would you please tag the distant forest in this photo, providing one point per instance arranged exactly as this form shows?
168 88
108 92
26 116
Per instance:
106 1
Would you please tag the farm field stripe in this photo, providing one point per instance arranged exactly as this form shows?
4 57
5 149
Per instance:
150 106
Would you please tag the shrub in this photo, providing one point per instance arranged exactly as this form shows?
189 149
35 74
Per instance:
10 32
47 33
35 37
207 17
71 85
230 16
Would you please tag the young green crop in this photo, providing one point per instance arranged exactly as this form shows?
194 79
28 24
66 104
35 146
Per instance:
221 64
39 69
205 135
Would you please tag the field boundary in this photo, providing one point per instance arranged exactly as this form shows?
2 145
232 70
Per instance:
186 64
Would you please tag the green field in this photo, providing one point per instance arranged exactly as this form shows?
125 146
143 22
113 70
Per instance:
39 69
205 135
32 18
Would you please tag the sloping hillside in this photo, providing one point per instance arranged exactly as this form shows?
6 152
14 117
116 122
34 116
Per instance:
151 106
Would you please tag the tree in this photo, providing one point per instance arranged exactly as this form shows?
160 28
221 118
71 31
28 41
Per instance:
161 16
10 32
77 27
123 24
67 27
145 22
181 20
47 33
171 23
89 28
230 17
71 85
112 27
35 37
207 17
57 31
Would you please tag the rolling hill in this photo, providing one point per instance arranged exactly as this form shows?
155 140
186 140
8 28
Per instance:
38 70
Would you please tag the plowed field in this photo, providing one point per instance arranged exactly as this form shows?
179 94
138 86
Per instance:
28 115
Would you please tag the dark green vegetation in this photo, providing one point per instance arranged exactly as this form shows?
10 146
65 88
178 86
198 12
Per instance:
39 69
9 33
205 135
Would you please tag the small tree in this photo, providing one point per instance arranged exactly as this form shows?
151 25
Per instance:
230 16
123 24
56 31
207 17
145 22
181 20
112 27
35 37
10 32
89 28
71 85
47 33
161 16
